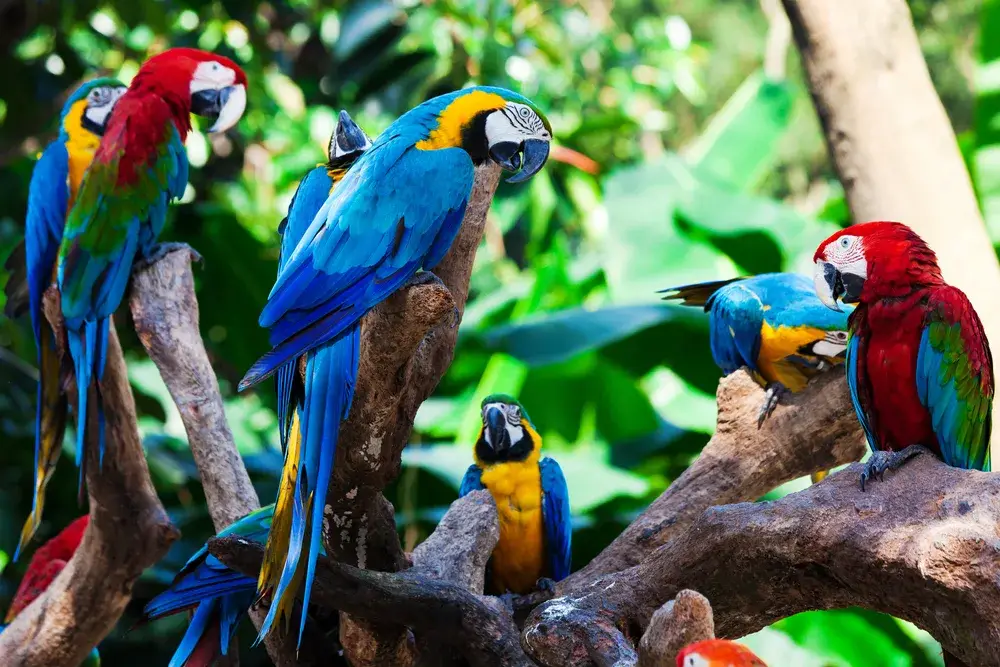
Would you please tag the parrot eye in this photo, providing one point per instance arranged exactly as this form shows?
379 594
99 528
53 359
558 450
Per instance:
524 113
845 242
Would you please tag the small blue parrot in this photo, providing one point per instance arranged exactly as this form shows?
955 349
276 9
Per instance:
532 500
772 323
397 211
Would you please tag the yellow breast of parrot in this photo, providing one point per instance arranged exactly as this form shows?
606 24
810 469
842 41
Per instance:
776 345
518 560
81 146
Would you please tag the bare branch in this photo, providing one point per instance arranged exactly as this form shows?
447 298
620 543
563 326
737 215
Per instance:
128 531
684 620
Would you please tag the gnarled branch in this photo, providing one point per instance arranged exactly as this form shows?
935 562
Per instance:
684 620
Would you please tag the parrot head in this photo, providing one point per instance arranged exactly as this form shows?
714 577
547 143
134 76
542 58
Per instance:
90 105
507 433
347 143
870 261
205 84
717 653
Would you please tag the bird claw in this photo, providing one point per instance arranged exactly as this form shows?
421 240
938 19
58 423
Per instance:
881 461
424 278
772 396
508 601
161 250
546 585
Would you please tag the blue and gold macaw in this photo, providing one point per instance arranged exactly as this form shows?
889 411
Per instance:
397 211
774 324
55 183
531 496
219 597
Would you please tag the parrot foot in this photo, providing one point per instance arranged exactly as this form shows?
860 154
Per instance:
546 585
881 461
772 396
508 599
161 250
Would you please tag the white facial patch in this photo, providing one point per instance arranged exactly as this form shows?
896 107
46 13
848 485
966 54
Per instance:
211 75
833 344
515 123
512 422
695 660
100 103
847 254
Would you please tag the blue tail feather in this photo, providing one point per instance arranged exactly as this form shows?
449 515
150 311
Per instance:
88 348
203 616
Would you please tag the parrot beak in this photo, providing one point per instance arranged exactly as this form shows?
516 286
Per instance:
225 105
496 434
347 137
509 156
828 284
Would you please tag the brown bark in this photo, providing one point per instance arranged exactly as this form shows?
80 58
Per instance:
890 138
128 531
684 620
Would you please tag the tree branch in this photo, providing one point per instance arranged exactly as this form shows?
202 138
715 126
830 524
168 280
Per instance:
684 620
128 531
890 138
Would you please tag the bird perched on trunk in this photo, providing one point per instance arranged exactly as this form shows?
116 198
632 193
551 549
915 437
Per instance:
139 166
397 211
919 366
717 653
55 182
218 596
46 564
531 496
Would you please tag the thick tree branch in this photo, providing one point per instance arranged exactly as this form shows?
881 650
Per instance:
813 430
890 138
447 611
920 545
684 620
128 531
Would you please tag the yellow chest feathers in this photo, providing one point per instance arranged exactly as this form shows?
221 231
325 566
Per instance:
81 147
518 560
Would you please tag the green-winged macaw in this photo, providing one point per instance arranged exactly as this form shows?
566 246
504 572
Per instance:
139 166
397 211
55 182
531 496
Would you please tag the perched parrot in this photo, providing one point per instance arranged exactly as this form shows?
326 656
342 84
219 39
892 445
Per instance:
717 653
219 597
397 211
55 182
531 496
919 366
139 166
48 561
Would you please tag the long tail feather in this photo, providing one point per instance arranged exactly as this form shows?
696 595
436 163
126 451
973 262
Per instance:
88 348
696 294
331 372
200 645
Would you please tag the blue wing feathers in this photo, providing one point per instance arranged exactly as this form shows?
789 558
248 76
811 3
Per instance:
853 353
557 518
472 481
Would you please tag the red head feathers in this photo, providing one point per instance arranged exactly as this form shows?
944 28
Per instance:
46 565
871 261
717 653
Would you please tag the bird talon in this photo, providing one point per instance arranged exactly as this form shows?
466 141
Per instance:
161 250
772 396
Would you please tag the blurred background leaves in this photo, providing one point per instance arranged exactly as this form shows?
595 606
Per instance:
711 164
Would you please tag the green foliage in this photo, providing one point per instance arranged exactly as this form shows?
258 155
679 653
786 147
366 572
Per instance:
708 169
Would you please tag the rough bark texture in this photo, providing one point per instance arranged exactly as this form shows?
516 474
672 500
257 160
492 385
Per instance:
165 313
684 620
129 531
407 344
890 138
446 610
813 430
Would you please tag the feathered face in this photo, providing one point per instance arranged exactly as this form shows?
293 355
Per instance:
515 130
347 139
101 101
717 653
507 433
888 253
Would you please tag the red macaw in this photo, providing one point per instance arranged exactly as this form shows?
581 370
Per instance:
919 366
121 208
717 653
46 564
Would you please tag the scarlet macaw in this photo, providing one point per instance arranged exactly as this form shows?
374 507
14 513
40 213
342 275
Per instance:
396 212
531 497
919 367
45 566
138 168
55 182
717 653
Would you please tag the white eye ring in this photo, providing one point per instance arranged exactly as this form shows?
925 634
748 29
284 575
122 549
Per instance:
845 242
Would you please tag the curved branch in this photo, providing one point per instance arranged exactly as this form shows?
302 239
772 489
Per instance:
128 531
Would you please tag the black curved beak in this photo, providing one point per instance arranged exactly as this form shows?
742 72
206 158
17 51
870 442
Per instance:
509 156
348 136
497 436
833 285
224 105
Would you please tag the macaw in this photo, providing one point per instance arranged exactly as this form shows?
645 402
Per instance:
717 653
531 496
218 595
919 367
55 182
397 211
139 166
45 565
